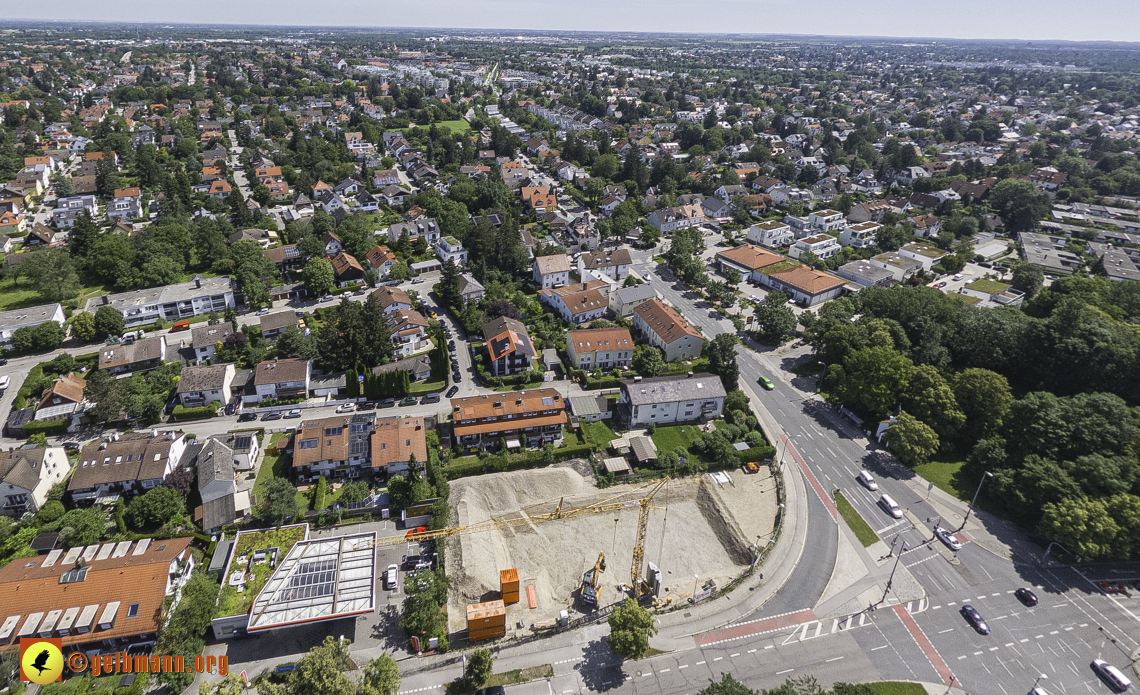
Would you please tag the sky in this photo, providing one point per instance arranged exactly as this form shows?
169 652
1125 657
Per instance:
1089 20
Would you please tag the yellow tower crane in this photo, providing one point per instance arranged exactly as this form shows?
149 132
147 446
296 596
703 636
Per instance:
638 587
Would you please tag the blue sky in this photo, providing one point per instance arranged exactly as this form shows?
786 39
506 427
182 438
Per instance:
1110 20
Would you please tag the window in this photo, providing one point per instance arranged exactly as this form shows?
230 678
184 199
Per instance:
308 443
333 431
160 548
73 575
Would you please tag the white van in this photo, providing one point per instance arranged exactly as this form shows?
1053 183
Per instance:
868 480
890 506
1112 675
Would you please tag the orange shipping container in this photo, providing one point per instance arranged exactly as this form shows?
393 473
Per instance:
481 635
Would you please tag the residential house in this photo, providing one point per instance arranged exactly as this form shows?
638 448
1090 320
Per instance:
805 285
861 235
12 223
1048 251
261 237
332 243
272 325
824 246
728 192
865 274
993 293
15 319
623 299
664 328
552 271
826 220
748 260
61 399
418 367
396 443
205 384
717 209
334 447
901 267
771 233
199 297
509 346
613 264
381 259
27 474
423 227
123 465
347 269
409 333
470 289
927 255
382 178
450 249
280 379
126 204
578 303
287 258
521 418
138 356
205 339
67 210
393 299
218 471
599 348
678 217
666 400
926 226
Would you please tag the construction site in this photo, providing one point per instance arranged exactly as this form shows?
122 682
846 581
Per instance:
546 545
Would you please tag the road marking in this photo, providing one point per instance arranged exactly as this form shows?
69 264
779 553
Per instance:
835 659
1009 644
952 603
981 597
924 643
770 646
1025 640
664 670
961 657
942 632
717 659
1068 628
1038 636
882 647
977 653
699 663
935 608
733 656
1083 625
1054 632
751 650
683 666
780 673
997 594
1059 605
993 649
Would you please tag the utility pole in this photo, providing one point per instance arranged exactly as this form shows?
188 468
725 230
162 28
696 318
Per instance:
891 579
970 508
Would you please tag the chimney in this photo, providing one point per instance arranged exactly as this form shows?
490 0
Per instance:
198 281
106 299
690 376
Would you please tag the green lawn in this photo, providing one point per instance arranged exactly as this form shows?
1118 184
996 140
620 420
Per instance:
18 294
862 531
897 688
987 286
675 437
435 383
944 474
520 675
273 466
456 126
600 433
232 603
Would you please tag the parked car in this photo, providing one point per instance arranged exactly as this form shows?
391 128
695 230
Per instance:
1026 596
430 398
231 408
451 345
3 362
346 408
947 539
766 383
299 314
271 416
294 413
452 391
367 405
247 417
1113 588
751 467
867 480
388 403
5 381
975 619
1112 676
262 312
941 284
409 400
957 277
391 576
360 291
327 298
71 446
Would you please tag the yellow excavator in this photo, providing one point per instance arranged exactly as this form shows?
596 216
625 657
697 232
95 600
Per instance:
592 582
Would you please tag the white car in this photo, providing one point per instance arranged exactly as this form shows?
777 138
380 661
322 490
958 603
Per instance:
346 408
1113 676
327 298
391 576
295 413
867 480
4 381
262 312
947 539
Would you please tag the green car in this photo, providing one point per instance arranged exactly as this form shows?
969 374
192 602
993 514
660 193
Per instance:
410 400
766 383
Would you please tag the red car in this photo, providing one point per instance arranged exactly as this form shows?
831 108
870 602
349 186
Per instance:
412 533
941 284
1113 588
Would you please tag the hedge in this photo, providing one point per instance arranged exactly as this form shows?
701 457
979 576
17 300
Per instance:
47 426
209 410
756 453
532 459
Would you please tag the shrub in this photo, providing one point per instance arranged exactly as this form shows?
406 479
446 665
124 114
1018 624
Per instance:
210 410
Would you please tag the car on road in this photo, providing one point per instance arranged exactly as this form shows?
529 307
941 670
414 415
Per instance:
71 446
1113 587
270 416
766 383
416 281
299 314
409 400
457 377
3 362
947 539
1026 596
1112 676
493 690
452 391
451 345
262 312
247 417
975 619
388 403
430 398
327 298
360 292
294 413
941 284
890 506
367 405
346 408
5 381
867 480
957 277
391 576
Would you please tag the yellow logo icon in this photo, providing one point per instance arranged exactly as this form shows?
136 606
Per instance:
41 660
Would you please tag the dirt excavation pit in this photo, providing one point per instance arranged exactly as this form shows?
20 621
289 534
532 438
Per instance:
697 527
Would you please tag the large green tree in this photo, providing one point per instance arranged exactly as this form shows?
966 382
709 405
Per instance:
381 676
630 629
52 274
480 663
984 397
1083 525
911 441
322 670
318 276
929 398
870 380
1018 203
108 321
775 321
156 507
279 502
721 354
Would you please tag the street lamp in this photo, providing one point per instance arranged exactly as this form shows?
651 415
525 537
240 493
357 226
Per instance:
614 551
891 579
1042 677
696 578
971 507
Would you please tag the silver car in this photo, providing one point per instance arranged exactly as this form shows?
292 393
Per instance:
947 539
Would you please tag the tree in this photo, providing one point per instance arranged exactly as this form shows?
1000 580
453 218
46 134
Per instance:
280 502
293 343
930 399
80 527
52 273
1018 203
83 235
156 507
381 676
775 321
83 327
181 480
448 286
425 593
318 276
182 635
1028 278
478 669
984 398
870 380
232 684
630 629
721 354
647 361
911 441
1083 525
321 671
727 685
108 321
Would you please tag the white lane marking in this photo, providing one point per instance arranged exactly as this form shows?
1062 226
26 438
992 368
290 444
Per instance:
733 656
780 673
942 632
683 666
664 670
770 646
835 659
875 649
751 650
699 663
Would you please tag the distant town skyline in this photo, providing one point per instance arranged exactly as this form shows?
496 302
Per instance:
1043 20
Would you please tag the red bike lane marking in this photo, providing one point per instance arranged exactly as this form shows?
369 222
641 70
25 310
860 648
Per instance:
754 627
819 491
925 645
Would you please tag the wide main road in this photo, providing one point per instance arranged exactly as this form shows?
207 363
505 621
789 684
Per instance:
1073 624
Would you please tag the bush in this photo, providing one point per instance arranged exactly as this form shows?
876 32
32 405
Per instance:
47 426
210 410
531 459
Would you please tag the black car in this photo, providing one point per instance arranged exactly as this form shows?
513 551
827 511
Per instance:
451 345
493 690
1026 596
231 408
410 400
270 416
430 398
452 391
388 403
71 446
975 618
366 405
3 361
247 417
